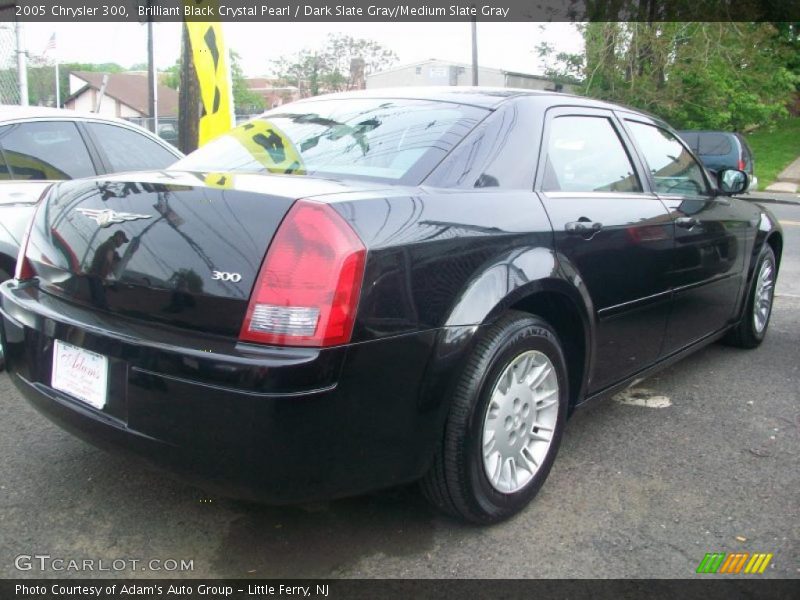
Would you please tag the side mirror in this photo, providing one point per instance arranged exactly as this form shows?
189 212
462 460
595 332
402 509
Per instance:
731 181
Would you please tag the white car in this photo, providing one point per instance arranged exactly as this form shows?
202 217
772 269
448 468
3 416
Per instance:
41 145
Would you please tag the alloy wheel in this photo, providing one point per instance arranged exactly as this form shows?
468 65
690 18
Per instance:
520 421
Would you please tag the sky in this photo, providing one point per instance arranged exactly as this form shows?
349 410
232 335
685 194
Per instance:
509 46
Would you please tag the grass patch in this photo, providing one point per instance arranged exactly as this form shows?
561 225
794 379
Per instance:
774 148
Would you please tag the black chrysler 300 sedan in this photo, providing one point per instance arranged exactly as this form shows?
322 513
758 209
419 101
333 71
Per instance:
362 290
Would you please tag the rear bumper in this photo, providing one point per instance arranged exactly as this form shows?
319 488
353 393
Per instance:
272 424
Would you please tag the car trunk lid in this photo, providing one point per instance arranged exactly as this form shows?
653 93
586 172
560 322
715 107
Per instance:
183 249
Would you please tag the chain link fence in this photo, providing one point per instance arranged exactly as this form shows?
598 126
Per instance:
9 88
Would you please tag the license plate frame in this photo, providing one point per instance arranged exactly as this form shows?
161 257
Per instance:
81 373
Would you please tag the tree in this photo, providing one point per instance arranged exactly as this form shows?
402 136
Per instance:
728 76
340 64
245 101
41 78
171 76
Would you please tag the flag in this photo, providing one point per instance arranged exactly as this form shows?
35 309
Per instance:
51 44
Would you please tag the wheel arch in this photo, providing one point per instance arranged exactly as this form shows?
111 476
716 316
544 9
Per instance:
571 325
537 281
768 233
775 241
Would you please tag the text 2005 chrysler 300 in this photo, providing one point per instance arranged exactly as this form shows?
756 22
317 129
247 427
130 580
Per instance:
362 290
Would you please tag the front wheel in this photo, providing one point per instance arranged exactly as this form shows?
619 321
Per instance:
507 416
751 330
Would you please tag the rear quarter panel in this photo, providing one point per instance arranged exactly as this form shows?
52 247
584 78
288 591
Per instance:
435 257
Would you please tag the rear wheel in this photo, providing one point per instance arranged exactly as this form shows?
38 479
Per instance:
751 330
506 420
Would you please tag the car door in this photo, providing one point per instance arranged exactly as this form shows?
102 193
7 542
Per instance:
707 267
125 149
617 235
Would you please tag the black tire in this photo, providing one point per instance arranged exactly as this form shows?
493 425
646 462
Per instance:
745 334
4 276
457 482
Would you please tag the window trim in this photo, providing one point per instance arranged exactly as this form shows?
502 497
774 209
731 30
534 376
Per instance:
635 118
630 150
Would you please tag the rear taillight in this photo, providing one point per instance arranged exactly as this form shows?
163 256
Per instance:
24 269
740 165
307 290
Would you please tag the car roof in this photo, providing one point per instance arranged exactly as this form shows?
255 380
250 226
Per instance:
483 97
13 113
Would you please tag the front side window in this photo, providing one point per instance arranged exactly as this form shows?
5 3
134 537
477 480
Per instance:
585 154
385 139
43 150
128 150
674 169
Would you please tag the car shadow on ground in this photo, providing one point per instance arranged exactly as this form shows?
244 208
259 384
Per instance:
323 540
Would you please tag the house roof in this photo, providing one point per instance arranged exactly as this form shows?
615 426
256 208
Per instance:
130 89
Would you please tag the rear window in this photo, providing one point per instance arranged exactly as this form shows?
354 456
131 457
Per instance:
690 138
714 144
391 140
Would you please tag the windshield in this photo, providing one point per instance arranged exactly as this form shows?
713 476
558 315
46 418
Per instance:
392 140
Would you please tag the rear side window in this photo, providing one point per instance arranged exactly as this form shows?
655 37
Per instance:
496 154
674 169
128 150
714 144
585 154
45 150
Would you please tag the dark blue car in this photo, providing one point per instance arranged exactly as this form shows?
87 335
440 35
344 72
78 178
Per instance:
722 150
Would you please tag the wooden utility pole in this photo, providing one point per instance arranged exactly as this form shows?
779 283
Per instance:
188 99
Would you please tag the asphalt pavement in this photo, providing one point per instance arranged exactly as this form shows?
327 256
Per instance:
636 491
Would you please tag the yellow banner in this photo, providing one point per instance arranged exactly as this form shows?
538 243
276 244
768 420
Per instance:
210 57
267 144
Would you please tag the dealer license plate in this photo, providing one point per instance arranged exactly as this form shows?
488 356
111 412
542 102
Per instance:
80 373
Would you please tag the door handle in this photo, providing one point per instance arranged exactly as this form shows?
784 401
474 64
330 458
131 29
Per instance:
583 226
686 222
